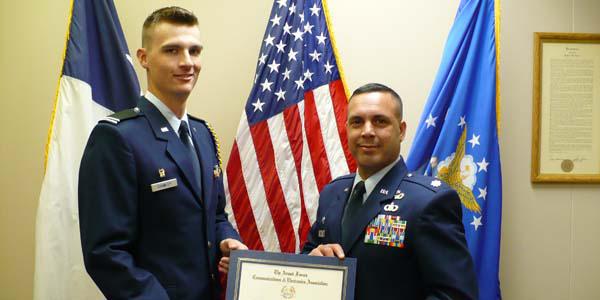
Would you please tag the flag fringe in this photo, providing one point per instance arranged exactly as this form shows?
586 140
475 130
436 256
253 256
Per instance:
497 36
55 104
335 50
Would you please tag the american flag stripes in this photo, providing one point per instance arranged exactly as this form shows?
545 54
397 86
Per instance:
291 139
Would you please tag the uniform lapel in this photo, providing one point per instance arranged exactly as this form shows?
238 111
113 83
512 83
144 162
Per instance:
372 206
336 212
201 144
175 148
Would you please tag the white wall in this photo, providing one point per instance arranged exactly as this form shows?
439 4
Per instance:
550 239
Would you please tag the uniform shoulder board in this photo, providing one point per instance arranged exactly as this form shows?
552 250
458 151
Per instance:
122 115
213 134
431 183
347 176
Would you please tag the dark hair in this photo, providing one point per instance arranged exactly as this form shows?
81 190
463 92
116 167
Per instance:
378 87
172 14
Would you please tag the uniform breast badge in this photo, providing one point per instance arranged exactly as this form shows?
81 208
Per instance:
399 195
386 230
391 207
216 171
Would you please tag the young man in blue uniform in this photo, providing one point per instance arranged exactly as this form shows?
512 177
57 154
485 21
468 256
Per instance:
404 229
151 196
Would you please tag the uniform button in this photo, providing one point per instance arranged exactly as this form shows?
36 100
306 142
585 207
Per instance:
209 244
212 276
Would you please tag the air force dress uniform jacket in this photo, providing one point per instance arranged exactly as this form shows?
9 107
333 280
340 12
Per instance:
408 240
148 229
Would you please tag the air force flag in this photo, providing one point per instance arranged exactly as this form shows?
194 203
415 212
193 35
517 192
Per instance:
457 137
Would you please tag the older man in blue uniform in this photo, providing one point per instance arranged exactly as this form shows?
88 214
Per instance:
151 196
404 229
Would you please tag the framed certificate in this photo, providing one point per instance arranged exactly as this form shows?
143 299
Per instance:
566 108
255 275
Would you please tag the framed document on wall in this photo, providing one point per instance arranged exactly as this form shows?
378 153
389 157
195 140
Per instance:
566 108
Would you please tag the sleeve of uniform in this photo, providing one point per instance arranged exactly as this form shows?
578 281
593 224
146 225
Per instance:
108 217
444 259
312 240
224 228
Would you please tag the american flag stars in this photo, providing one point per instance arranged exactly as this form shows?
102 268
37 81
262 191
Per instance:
321 38
308 28
298 34
291 139
280 95
328 67
258 105
286 29
314 10
266 85
275 20
274 66
308 75
295 41
315 55
269 40
280 47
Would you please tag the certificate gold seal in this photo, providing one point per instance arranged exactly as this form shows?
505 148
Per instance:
567 165
288 292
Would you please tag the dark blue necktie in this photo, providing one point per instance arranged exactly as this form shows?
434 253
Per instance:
184 135
352 210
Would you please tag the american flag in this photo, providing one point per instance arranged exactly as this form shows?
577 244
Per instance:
291 139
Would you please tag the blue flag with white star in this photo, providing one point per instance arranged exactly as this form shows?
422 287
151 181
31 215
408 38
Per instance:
457 136
97 79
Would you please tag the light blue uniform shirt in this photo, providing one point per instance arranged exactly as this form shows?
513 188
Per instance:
373 180
168 114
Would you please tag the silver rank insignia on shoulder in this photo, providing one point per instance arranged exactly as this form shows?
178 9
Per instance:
136 109
164 129
436 183
216 171
323 220
346 190
112 120
321 233
161 173
391 207
399 195
383 191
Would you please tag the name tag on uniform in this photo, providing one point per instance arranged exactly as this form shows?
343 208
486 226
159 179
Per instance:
386 230
163 185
